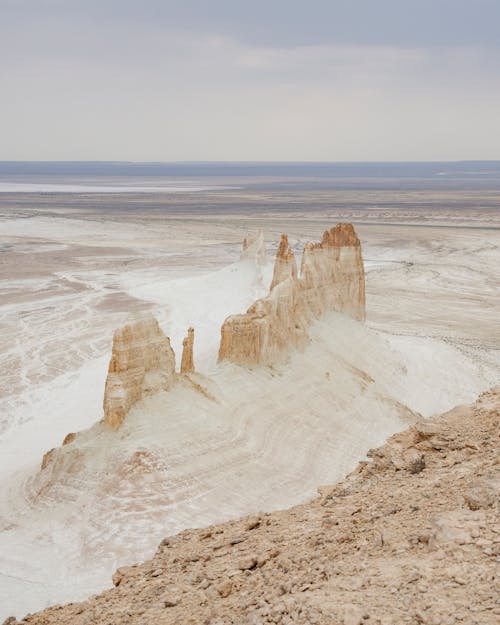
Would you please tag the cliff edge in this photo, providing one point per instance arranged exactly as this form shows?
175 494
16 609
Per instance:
410 536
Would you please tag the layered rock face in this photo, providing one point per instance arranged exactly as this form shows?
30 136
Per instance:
187 361
332 275
285 266
142 362
331 278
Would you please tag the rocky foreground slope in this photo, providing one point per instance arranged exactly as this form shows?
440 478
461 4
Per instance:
411 536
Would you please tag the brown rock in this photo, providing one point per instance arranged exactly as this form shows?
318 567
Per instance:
248 563
170 600
225 589
142 362
187 362
481 494
120 574
414 460
69 438
353 615
48 457
331 278
253 522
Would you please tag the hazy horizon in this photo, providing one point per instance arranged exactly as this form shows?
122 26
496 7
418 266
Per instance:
243 161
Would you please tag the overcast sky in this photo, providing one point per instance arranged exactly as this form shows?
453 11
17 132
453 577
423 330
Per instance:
321 80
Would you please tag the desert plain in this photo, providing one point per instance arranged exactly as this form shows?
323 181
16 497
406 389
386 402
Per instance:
75 265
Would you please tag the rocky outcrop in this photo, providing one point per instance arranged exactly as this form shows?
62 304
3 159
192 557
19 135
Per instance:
69 438
331 278
392 543
187 361
48 457
142 363
285 266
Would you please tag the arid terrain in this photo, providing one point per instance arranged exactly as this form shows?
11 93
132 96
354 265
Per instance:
249 312
74 266
410 536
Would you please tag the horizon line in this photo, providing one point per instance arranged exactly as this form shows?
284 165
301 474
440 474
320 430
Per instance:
247 162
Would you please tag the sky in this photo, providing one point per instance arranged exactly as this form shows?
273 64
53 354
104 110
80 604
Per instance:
268 80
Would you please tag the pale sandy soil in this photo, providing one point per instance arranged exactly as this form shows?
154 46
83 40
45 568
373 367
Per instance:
69 274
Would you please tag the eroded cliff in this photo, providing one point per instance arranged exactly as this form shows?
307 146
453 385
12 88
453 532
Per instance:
142 362
331 278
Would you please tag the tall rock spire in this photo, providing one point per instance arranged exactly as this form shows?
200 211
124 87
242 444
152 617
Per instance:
187 361
285 266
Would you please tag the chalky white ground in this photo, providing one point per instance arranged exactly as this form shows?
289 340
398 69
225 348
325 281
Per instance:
270 438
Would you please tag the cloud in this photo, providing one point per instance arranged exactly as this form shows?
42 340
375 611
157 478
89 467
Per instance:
81 81
292 22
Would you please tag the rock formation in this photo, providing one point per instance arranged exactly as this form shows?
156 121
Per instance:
48 457
331 278
253 248
397 541
142 362
285 266
187 361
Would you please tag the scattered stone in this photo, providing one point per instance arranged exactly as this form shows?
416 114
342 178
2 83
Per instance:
247 564
353 615
414 461
400 548
170 601
206 533
120 574
225 589
253 522
235 540
480 495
